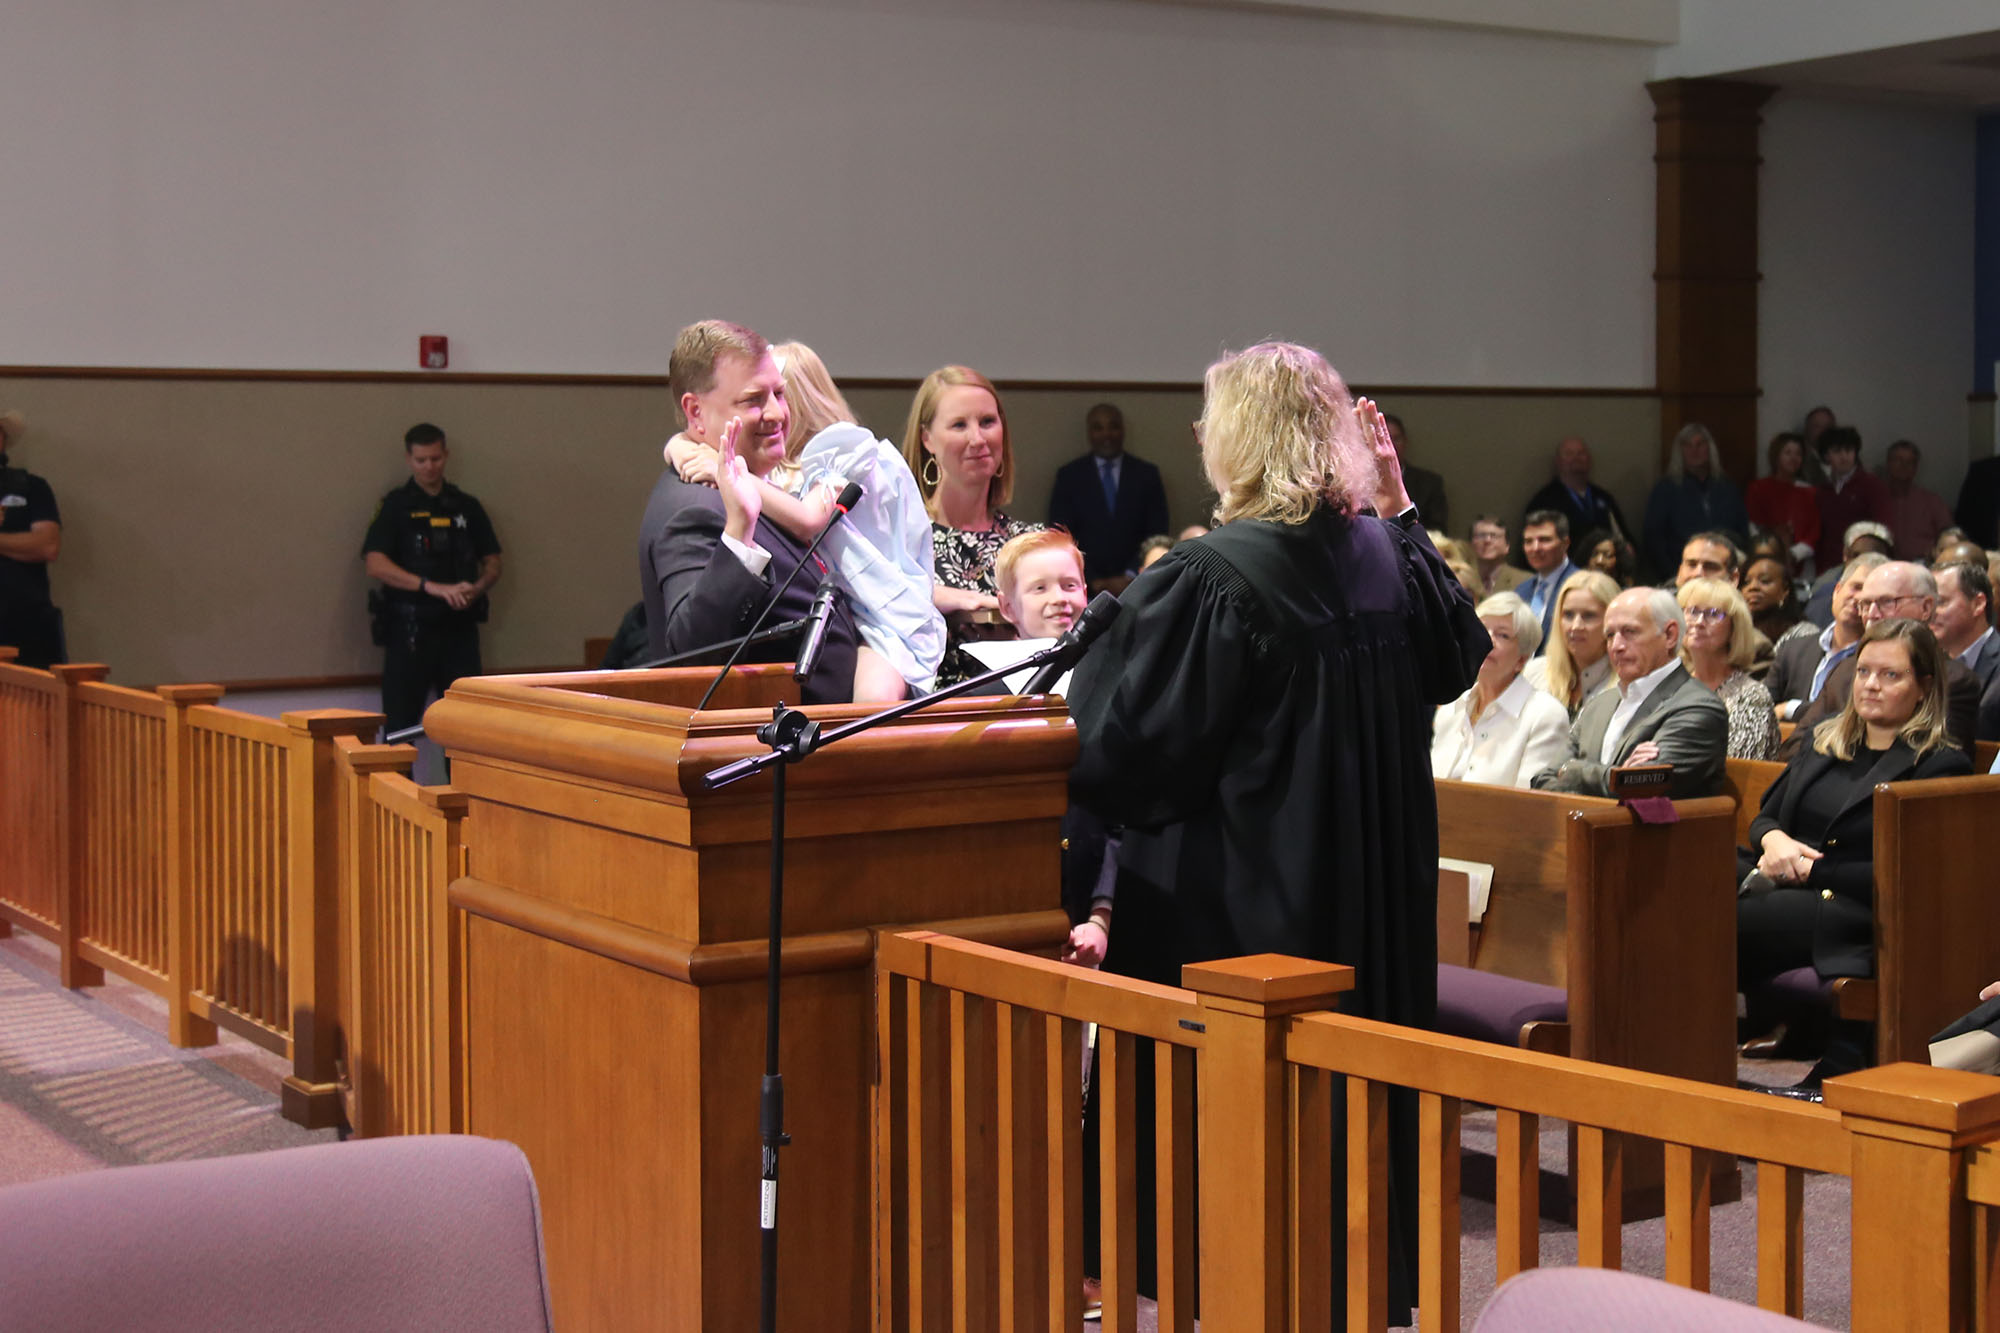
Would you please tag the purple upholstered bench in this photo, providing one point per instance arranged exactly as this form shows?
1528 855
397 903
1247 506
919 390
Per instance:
429 1231
1488 1007
1587 1300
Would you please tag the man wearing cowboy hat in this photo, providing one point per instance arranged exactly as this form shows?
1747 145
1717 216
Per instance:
30 537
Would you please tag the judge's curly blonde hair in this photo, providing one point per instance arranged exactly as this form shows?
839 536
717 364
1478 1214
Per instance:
1278 435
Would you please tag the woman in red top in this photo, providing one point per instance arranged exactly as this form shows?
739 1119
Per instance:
1783 502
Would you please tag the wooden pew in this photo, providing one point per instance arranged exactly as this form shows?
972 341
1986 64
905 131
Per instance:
1937 936
1620 915
1745 781
1616 912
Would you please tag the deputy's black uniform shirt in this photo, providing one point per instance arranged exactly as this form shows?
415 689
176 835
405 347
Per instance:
440 538
25 500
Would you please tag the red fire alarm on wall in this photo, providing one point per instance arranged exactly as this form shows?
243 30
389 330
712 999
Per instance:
433 351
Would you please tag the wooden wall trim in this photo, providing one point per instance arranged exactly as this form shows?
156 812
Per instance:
889 383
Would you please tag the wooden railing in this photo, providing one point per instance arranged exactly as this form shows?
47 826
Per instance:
401 845
973 1156
34 774
187 847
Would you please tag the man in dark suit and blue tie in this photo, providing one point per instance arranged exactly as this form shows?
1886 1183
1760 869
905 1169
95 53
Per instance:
1545 542
1109 500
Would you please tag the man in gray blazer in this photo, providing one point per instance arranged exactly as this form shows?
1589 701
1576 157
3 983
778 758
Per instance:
1658 715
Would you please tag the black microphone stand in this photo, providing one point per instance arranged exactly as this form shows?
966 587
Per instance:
791 736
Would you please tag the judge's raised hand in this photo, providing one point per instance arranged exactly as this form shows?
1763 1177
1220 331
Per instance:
1391 497
742 501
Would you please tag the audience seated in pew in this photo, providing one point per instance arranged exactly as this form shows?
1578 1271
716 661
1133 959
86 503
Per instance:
1660 714
1802 664
1503 730
1897 588
1808 877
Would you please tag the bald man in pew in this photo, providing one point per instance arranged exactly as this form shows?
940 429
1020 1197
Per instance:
1659 714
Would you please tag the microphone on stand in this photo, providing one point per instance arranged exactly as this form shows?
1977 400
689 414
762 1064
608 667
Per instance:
846 501
1074 642
815 635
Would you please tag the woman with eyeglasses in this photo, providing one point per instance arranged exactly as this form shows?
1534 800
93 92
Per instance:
1717 651
1808 876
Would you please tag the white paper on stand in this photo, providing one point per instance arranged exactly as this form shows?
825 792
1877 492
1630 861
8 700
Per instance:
1481 876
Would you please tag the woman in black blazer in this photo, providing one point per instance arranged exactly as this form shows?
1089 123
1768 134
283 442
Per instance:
1809 875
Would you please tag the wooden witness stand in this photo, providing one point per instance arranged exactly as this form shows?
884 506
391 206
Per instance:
613 920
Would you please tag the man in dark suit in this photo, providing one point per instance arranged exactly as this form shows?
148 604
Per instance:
1545 540
707 564
1963 622
1659 714
1109 500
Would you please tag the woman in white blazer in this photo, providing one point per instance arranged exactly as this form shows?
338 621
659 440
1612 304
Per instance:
1503 730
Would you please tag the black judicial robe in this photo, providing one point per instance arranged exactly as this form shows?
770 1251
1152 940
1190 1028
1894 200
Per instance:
1258 719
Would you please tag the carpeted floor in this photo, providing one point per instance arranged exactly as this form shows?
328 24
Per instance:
88 1080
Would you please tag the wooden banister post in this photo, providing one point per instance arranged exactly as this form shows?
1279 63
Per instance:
312 888
1912 1236
447 1014
183 1028
1241 1126
355 763
69 844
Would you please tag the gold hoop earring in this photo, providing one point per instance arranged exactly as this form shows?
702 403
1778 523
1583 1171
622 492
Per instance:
930 471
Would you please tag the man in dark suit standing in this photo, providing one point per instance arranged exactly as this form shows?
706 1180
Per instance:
1426 487
1109 500
1659 714
706 563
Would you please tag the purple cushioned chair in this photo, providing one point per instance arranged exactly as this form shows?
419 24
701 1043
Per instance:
1589 1300
429 1231
1488 1007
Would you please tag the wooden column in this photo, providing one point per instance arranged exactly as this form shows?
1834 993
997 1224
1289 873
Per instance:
1912 1126
183 1028
1241 1127
69 849
1705 276
311 1094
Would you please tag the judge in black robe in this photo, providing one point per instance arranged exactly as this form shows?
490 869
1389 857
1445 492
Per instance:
1258 718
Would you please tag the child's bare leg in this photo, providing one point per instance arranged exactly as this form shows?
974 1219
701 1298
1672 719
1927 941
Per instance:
875 681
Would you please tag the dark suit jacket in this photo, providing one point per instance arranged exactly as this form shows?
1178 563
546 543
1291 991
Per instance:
1601 512
1961 708
1791 673
1110 539
1986 667
1843 928
698 593
1682 716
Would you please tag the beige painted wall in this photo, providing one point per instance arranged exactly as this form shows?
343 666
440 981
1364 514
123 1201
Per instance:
212 529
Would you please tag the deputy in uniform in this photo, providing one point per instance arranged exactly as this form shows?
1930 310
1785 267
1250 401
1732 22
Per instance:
30 537
433 549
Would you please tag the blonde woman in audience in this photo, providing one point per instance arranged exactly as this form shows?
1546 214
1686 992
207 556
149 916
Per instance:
881 553
1459 561
957 445
1576 665
1717 650
1503 730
